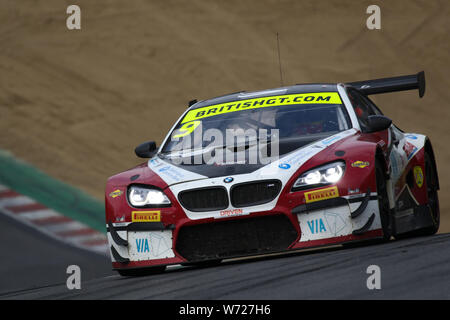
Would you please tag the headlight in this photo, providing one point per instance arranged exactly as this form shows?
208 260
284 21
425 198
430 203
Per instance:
141 197
327 174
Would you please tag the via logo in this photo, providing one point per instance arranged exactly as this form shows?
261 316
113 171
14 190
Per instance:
142 245
228 179
284 166
316 226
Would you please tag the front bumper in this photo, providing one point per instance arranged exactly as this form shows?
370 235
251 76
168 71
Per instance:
326 222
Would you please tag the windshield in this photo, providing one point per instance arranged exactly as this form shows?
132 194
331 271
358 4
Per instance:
290 119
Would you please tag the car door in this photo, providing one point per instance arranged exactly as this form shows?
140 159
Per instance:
399 149
395 147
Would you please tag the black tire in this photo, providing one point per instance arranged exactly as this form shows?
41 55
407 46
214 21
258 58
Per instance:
431 179
141 272
383 200
433 202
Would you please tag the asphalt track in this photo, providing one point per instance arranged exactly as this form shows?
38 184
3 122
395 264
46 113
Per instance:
33 267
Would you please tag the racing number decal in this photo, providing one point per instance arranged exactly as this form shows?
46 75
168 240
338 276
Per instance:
187 128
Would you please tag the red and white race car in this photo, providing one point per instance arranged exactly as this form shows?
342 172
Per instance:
252 173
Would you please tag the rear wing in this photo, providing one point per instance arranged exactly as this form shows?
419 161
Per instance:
402 83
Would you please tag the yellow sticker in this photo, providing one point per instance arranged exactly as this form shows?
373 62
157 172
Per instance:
116 193
360 164
146 216
418 175
284 100
322 194
187 129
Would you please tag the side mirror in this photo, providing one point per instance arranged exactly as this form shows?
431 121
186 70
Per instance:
378 123
146 149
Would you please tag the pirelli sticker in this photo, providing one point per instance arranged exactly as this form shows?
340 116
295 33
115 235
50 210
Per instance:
322 194
255 103
145 216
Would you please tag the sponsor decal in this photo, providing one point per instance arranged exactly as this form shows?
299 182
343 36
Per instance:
409 149
322 194
360 164
142 245
116 193
299 156
150 245
283 100
171 172
284 166
418 175
316 226
232 212
146 216
330 140
353 191
334 224
155 162
411 136
228 179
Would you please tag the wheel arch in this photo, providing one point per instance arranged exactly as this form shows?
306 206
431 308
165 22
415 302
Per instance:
429 149
379 155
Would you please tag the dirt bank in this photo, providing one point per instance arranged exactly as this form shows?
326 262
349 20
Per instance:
75 103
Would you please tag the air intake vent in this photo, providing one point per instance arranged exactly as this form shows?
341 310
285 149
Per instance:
204 199
254 193
233 238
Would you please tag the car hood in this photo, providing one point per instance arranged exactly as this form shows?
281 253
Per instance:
282 168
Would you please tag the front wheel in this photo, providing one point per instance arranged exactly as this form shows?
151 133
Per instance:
433 202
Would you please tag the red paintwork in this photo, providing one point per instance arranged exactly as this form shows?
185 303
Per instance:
360 147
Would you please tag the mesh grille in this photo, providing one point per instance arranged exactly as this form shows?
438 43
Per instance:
254 193
207 199
238 237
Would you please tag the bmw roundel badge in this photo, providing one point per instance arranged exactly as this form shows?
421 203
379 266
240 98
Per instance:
228 179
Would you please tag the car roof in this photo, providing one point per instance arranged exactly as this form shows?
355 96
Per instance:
242 95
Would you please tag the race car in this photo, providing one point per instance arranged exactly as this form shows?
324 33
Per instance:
252 173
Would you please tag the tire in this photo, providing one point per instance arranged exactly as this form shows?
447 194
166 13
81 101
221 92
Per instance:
141 272
432 195
433 202
383 201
